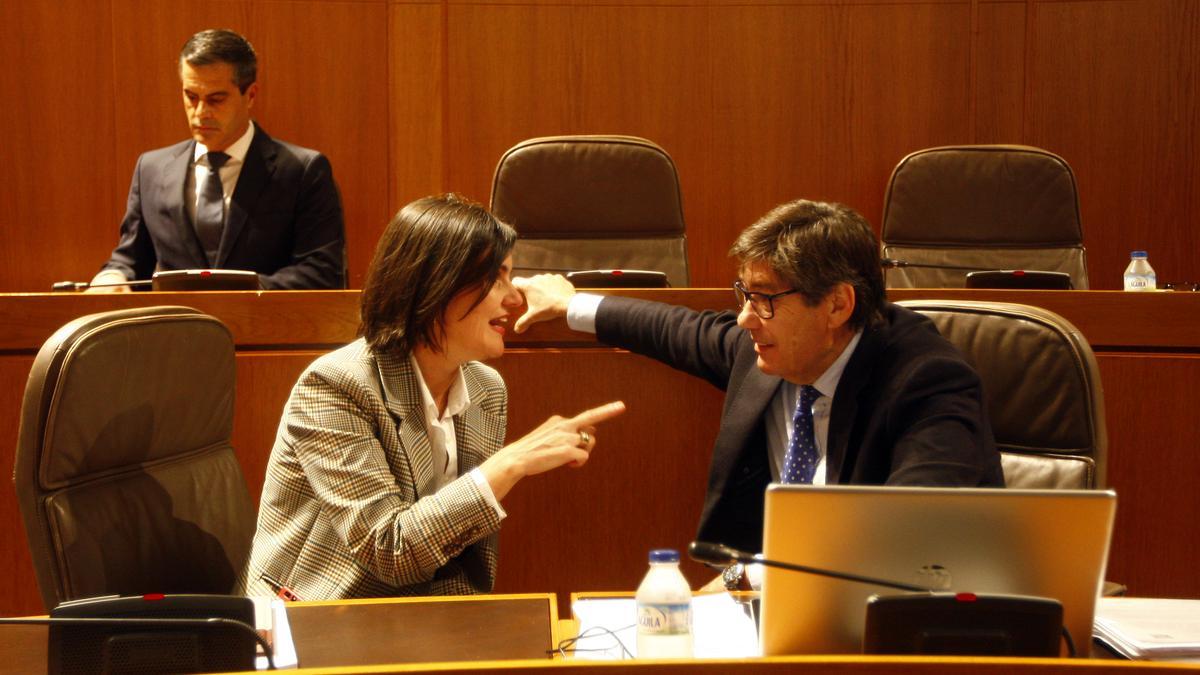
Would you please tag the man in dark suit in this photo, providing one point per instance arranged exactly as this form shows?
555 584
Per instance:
232 197
825 381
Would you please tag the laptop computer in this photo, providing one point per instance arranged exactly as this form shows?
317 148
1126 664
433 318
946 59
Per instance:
1048 543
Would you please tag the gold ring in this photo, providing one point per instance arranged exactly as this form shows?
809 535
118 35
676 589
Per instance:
585 438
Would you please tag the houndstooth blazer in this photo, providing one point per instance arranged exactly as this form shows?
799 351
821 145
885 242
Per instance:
348 506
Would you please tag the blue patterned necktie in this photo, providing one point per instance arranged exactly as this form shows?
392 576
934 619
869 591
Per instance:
800 462
210 207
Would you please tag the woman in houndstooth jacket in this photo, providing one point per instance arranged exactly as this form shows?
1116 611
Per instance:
387 472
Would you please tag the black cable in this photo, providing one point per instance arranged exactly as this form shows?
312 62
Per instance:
1070 642
567 644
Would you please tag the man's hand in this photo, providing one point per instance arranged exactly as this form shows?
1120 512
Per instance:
558 441
547 297
108 289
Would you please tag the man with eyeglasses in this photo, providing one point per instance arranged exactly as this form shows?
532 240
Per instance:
826 381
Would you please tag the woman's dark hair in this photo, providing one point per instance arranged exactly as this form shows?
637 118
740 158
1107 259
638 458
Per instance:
433 249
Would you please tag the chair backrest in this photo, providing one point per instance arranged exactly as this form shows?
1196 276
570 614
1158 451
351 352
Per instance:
981 207
125 474
593 202
1042 387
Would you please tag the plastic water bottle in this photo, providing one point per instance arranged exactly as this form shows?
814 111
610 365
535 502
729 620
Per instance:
664 609
1139 276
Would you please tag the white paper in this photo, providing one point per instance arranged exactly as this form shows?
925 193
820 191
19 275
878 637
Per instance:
270 616
721 628
1150 628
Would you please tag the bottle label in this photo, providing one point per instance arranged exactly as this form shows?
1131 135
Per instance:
1139 282
666 619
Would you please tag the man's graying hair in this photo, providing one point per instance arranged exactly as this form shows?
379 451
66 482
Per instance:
221 45
813 246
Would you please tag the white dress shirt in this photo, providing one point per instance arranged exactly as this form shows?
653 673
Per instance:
230 172
443 441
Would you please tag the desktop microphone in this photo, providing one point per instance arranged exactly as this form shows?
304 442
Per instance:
158 632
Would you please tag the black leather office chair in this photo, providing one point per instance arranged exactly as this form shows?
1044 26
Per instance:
125 475
981 207
593 202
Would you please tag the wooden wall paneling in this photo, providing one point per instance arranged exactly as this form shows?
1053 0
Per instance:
416 102
909 88
18 587
780 124
821 102
58 89
999 72
264 382
642 488
536 70
325 86
1115 91
1154 554
322 85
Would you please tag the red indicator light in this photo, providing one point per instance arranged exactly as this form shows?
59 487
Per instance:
1018 273
206 273
965 597
153 596
617 273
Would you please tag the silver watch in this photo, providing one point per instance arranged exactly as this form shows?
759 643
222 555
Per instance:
734 577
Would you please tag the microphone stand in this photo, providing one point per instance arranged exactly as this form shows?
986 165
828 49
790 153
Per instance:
893 263
722 556
76 286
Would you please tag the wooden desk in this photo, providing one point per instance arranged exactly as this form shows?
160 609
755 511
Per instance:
479 634
644 486
418 630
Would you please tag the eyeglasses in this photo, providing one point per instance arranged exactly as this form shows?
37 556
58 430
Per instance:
763 304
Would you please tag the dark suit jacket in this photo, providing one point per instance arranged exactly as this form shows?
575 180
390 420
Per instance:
908 410
284 221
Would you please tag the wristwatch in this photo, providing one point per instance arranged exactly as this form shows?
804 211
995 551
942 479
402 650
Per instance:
735 579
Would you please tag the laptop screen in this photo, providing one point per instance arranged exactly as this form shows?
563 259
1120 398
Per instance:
1048 543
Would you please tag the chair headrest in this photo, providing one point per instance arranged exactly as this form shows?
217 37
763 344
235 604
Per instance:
97 393
588 187
974 195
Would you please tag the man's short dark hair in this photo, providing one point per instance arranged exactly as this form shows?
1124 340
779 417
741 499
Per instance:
221 45
432 250
813 246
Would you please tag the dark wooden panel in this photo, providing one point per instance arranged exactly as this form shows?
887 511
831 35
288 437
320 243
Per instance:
416 105
18 586
264 381
1150 403
414 631
58 89
998 55
643 487
516 72
327 64
1114 89
822 101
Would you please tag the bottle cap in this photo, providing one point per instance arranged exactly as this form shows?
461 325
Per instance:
664 555
1137 254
